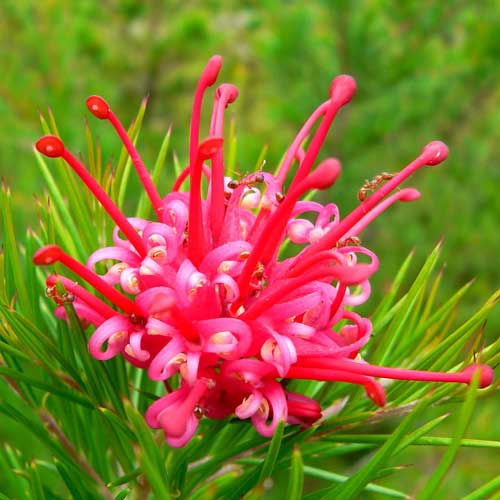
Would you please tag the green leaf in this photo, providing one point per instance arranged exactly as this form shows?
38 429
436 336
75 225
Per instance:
35 341
247 483
15 282
123 494
356 483
52 388
144 206
11 483
231 149
68 232
211 490
261 160
381 315
75 485
35 482
272 452
79 197
464 418
149 456
131 476
484 492
339 478
296 478
124 164
395 335
212 462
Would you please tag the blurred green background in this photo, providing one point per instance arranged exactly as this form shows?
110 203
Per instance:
425 70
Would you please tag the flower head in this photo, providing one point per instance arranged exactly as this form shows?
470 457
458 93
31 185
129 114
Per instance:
203 291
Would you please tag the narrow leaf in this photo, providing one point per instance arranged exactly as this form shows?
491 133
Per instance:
149 456
296 481
484 492
463 421
356 483
339 478
272 452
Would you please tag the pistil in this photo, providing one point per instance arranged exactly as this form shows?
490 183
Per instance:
323 177
432 154
294 148
341 92
84 295
225 95
53 147
196 228
100 108
373 390
207 79
51 254
282 288
405 195
353 367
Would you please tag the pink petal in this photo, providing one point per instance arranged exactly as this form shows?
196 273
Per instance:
229 251
161 366
113 253
237 327
156 301
249 406
114 331
137 224
179 442
162 404
275 395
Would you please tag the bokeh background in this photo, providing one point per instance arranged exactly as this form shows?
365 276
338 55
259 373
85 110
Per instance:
425 70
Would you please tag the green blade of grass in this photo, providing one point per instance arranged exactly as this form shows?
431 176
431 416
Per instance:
296 478
339 478
14 278
35 481
73 243
149 455
356 483
52 388
448 458
124 164
394 335
486 490
272 452
381 312
144 206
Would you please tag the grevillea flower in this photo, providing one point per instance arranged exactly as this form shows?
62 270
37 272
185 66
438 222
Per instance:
204 293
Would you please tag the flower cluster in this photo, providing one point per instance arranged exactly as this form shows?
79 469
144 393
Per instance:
203 299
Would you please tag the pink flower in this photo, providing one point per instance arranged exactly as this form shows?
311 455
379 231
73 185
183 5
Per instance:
203 292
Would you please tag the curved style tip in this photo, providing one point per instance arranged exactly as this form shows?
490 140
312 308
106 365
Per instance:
486 374
50 145
342 89
435 152
376 393
211 71
231 91
47 255
209 147
98 107
325 174
409 194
